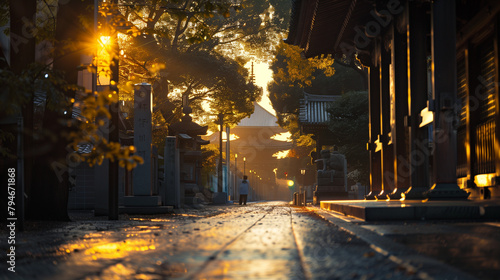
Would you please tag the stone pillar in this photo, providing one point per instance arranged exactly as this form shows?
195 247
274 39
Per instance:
101 175
417 100
142 181
399 110
170 192
142 138
444 78
387 152
374 131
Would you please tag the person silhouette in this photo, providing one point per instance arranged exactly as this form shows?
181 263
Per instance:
243 188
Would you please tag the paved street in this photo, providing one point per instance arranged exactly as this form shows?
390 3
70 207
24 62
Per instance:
268 240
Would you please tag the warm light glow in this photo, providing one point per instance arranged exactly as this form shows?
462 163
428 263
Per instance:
290 183
281 154
427 117
284 136
484 180
103 60
111 250
232 136
104 41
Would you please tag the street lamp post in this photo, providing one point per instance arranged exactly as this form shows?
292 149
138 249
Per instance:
303 172
304 192
244 165
235 174
219 167
250 178
254 179
110 47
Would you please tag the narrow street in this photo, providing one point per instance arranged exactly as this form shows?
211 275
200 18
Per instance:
268 240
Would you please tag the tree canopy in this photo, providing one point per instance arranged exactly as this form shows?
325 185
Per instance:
202 46
293 75
187 49
349 122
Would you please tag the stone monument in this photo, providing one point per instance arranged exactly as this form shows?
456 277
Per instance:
142 174
332 179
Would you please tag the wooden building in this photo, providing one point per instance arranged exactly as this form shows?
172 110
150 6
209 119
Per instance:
314 118
433 89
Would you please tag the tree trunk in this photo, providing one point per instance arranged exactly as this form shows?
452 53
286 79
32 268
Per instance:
22 54
52 168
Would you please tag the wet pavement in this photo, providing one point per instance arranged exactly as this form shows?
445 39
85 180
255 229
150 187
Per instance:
268 240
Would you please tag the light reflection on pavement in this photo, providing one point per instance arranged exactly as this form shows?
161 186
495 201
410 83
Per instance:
259 241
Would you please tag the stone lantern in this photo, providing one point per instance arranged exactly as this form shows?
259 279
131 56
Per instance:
189 142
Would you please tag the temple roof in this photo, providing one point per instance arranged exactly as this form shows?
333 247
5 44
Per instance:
260 118
313 109
323 27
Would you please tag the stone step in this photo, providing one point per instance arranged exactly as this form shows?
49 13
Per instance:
415 209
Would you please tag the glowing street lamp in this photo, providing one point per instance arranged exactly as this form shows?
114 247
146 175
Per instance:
303 173
235 174
236 163
244 165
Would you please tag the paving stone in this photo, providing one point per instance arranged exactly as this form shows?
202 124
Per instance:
268 240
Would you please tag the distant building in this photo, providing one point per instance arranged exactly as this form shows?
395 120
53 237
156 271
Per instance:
314 118
254 143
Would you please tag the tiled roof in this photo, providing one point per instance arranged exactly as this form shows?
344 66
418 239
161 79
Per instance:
313 108
260 118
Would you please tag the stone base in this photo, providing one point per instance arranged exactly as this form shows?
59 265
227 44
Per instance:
219 198
414 193
383 195
320 196
141 201
331 189
371 195
446 192
416 209
396 194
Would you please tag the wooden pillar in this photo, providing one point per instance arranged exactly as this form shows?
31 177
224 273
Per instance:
444 82
495 193
399 110
471 120
387 166
374 131
417 100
